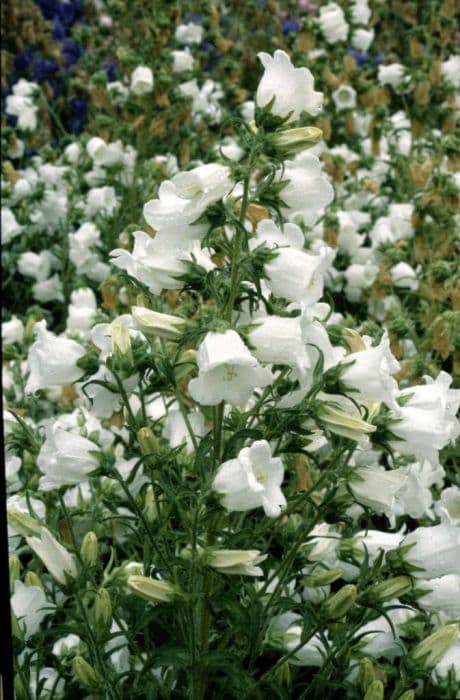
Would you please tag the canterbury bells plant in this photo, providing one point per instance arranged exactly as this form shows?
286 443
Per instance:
227 458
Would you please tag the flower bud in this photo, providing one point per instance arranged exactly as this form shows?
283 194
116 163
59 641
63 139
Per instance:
337 605
23 523
344 424
20 693
15 570
31 579
150 511
387 590
408 695
151 589
147 441
432 649
323 578
15 628
103 609
291 141
89 548
121 345
153 323
375 691
366 674
85 674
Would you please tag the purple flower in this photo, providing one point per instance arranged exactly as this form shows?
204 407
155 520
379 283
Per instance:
43 68
23 59
291 25
72 51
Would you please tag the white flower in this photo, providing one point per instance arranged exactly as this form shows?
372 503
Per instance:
12 331
176 430
101 200
48 290
344 97
189 33
285 631
65 644
278 340
308 190
22 189
227 371
81 312
65 459
359 277
24 109
236 561
415 497
362 38
51 685
251 480
391 74
59 562
52 360
9 225
36 265
297 276
291 88
360 12
382 637
443 594
449 663
449 502
450 69
51 212
182 61
202 186
332 23
436 550
72 152
404 276
168 214
30 607
369 374
376 541
104 154
205 100
141 81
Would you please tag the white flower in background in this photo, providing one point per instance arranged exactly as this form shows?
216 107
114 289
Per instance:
359 277
52 360
141 81
230 149
344 97
443 594
361 39
48 290
49 682
308 190
360 12
81 311
104 154
10 228
72 152
252 480
36 265
373 542
376 487
20 104
12 331
30 607
22 189
176 431
450 70
278 340
415 497
66 644
182 61
285 632
369 373
190 33
391 74
404 276
202 187
59 562
436 550
450 663
291 88
118 92
205 100
297 276
227 371
12 466
236 561
382 637
332 23
65 459
101 200
449 502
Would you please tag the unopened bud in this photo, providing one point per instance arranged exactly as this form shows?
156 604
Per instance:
147 441
89 548
121 345
153 323
337 605
408 695
185 365
86 674
375 691
15 571
432 649
323 578
291 141
32 579
20 693
103 609
387 590
344 424
23 523
150 511
15 628
366 674
151 589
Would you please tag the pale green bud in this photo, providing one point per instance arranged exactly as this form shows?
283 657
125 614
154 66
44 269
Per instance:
20 693
15 570
103 609
387 590
32 579
292 141
150 511
341 423
23 523
86 674
408 695
375 691
338 604
153 323
89 548
366 674
15 629
147 441
323 578
121 345
151 589
431 650
185 365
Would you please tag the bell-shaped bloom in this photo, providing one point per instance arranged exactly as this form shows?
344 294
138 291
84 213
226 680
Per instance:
376 487
65 459
236 561
285 632
202 187
52 361
332 23
443 595
369 374
435 551
227 371
290 87
141 80
167 215
278 340
382 636
252 480
30 607
59 562
177 432
308 190
298 276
